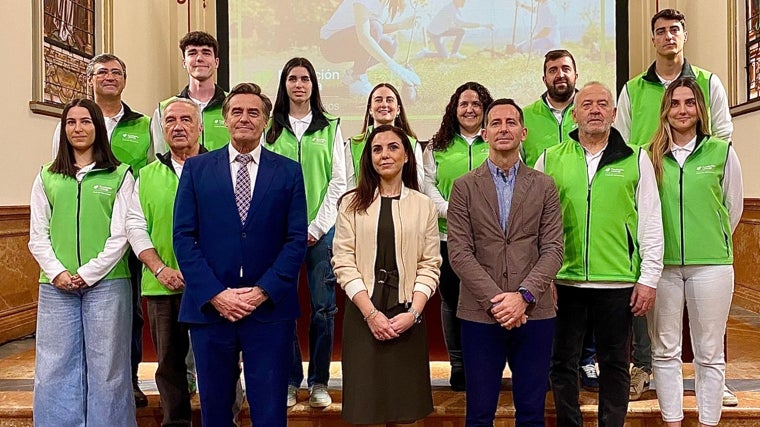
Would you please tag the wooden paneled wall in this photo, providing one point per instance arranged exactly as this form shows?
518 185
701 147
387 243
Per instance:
18 275
747 257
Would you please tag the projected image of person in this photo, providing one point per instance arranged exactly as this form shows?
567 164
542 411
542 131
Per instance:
698 272
387 260
544 31
448 22
384 107
302 130
455 149
360 32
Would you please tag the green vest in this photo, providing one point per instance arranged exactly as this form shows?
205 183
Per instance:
600 220
131 140
543 129
158 188
315 154
80 221
357 146
215 134
645 93
458 159
695 220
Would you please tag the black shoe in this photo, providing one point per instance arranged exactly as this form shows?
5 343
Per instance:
141 400
457 380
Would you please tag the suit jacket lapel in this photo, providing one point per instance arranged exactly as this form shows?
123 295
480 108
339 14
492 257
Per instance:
267 169
523 182
488 190
223 177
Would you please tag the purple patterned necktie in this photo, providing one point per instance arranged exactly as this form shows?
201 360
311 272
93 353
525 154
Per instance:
243 186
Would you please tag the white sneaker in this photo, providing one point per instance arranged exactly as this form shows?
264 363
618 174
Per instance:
292 395
457 56
729 398
319 397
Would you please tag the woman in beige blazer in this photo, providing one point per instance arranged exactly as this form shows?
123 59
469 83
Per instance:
387 259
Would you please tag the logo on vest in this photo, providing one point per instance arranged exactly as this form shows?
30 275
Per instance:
610 171
706 169
318 140
102 189
219 123
130 137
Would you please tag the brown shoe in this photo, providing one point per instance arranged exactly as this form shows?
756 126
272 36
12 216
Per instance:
141 400
639 383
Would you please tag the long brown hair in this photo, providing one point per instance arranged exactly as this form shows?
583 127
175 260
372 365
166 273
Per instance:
444 137
369 180
400 121
64 162
660 143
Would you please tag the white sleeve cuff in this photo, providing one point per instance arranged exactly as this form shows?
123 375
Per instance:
425 289
354 287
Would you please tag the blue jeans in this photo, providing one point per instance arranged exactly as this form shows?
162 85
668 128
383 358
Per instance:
82 368
527 350
321 325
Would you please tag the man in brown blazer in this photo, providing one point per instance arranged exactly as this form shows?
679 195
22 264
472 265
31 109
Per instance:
505 243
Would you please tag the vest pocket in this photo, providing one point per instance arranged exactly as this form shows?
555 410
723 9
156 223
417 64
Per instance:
631 246
723 231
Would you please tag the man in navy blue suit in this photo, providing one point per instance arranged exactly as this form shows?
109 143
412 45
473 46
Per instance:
240 238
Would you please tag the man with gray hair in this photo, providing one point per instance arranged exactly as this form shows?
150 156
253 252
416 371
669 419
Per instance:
613 243
131 143
149 228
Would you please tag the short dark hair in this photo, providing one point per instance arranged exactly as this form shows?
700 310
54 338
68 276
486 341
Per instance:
247 89
102 59
555 54
64 162
670 14
503 101
199 38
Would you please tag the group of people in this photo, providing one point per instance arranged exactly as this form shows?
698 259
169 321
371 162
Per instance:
544 228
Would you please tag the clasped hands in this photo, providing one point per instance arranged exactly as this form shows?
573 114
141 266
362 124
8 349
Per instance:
384 329
508 308
235 303
65 281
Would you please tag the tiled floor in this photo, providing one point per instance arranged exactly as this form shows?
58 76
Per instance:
743 376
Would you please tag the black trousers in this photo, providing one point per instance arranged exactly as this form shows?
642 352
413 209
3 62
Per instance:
609 313
135 272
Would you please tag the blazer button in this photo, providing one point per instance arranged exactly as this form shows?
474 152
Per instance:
504 274
244 235
509 241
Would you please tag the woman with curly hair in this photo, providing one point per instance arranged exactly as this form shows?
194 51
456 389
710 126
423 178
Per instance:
455 149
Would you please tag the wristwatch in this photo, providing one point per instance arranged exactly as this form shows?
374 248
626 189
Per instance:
527 296
416 314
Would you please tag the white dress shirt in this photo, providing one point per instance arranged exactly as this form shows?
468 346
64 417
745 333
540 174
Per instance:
649 234
253 166
39 232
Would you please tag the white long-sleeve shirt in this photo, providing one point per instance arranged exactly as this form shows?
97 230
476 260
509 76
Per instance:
649 234
39 232
328 211
720 115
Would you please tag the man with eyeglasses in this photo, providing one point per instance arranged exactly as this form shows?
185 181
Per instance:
637 119
129 133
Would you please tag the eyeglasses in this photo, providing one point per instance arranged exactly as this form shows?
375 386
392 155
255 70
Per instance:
103 72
